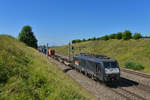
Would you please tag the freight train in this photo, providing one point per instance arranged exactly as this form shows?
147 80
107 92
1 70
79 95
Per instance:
48 52
96 66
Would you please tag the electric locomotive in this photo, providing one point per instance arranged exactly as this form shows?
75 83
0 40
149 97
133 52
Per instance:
97 66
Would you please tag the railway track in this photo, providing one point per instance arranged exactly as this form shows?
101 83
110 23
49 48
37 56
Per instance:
119 90
140 86
124 70
136 73
127 94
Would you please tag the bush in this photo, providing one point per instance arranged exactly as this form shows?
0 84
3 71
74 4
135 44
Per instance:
84 40
119 35
112 36
94 38
127 35
76 41
137 36
134 66
106 37
145 36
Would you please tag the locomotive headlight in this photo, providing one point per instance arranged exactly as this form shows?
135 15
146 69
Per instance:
117 70
111 70
107 71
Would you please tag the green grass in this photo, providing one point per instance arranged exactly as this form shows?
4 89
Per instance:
137 51
25 74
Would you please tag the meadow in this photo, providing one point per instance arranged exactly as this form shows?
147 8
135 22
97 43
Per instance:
26 74
137 51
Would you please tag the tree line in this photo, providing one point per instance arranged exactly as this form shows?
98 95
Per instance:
126 35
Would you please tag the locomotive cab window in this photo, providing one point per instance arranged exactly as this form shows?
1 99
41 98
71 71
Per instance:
110 64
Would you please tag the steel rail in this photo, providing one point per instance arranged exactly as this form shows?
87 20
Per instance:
135 72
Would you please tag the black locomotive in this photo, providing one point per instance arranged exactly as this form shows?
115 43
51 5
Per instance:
97 66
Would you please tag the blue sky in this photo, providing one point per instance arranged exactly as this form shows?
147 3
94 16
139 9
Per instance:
58 21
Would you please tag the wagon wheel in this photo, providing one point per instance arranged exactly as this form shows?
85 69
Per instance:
92 77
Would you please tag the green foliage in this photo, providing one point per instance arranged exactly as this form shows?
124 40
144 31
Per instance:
112 36
94 38
145 36
84 40
27 36
25 74
89 39
119 35
134 66
137 36
76 41
126 35
106 37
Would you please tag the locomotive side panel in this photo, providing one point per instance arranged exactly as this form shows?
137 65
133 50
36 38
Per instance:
103 69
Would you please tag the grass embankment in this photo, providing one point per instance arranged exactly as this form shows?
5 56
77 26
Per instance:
25 74
137 51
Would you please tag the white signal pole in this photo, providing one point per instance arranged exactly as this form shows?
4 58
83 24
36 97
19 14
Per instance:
47 50
69 50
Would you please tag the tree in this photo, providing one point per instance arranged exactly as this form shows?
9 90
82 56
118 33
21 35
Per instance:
73 41
84 40
137 36
89 39
127 35
112 36
119 35
94 38
76 41
106 37
27 36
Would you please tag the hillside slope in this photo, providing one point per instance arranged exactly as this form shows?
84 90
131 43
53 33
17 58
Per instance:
25 74
132 50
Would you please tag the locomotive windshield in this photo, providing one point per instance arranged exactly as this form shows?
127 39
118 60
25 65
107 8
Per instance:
110 64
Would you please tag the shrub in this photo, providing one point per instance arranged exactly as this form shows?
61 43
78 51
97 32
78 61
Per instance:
84 40
89 39
73 41
146 36
112 36
137 36
106 37
129 65
76 41
127 35
94 38
134 66
119 35
139 67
